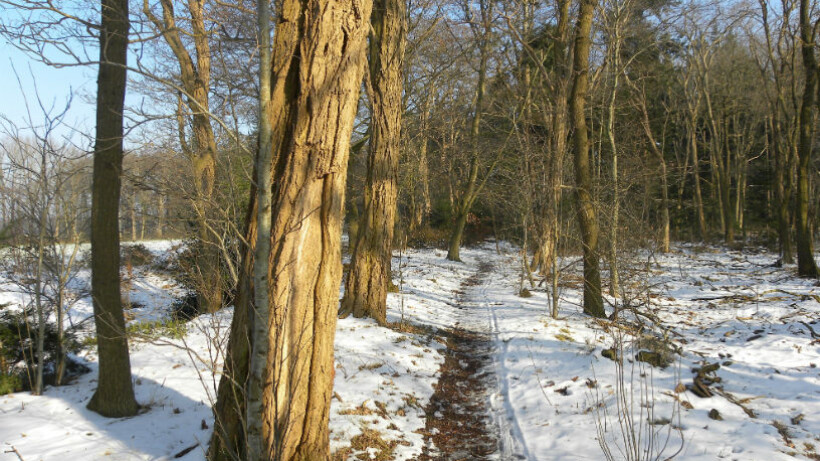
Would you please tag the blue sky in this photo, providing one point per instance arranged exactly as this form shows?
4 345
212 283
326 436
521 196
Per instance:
54 85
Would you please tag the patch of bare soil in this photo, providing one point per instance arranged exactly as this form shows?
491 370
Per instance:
459 421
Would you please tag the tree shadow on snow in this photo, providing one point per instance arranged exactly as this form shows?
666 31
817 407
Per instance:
168 424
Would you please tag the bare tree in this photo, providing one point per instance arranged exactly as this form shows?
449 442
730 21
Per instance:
481 26
114 396
616 17
195 75
778 61
39 171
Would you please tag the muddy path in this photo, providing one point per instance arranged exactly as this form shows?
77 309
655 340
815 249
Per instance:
460 423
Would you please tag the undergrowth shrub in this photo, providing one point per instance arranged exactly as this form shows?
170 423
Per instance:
9 383
185 308
183 264
428 237
137 254
170 328
630 425
18 336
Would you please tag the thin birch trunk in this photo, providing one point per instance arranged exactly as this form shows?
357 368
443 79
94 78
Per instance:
260 320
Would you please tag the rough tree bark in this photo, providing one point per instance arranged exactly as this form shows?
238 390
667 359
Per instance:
318 57
547 217
114 396
587 215
369 276
806 266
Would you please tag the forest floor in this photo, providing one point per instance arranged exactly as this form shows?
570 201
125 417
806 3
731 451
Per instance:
460 425
471 370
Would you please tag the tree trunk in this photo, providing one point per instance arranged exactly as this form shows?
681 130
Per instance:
132 205
782 201
454 247
725 182
471 189
424 164
658 154
143 219
614 282
319 52
693 145
666 225
160 216
369 276
37 388
615 68
4 207
781 140
228 441
587 215
260 320
59 367
714 191
525 257
195 76
721 163
783 150
114 396
740 194
559 143
806 267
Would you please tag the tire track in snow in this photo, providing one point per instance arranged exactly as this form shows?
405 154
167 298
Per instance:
512 445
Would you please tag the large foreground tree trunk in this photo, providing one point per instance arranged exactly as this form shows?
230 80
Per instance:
587 215
114 396
318 57
806 267
369 276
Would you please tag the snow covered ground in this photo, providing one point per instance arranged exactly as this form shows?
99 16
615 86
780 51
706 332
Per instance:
153 291
384 378
719 307
555 389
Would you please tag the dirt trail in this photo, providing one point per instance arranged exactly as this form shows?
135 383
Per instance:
459 416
